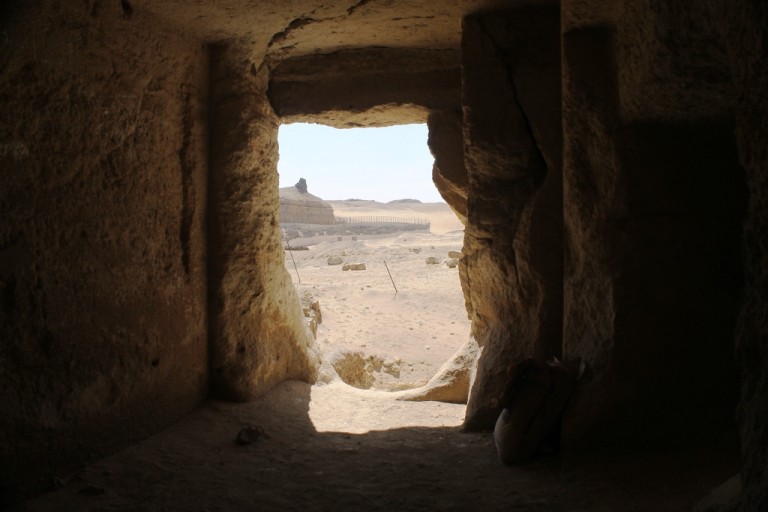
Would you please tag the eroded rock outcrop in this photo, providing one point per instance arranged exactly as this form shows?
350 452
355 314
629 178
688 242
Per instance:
258 334
452 380
508 292
297 205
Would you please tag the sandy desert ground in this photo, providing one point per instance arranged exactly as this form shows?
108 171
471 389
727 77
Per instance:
403 338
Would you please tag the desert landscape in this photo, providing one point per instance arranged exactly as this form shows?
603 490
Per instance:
392 325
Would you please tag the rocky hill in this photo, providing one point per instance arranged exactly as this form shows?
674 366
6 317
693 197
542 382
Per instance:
298 206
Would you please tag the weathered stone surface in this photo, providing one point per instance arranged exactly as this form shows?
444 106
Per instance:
355 368
116 212
103 330
290 29
653 265
667 72
451 382
257 331
506 290
366 87
446 142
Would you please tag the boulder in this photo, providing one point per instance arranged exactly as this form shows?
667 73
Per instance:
451 382
355 368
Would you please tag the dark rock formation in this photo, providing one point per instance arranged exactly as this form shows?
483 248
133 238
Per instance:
103 164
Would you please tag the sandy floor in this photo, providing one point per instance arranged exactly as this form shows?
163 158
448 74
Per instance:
333 447
325 449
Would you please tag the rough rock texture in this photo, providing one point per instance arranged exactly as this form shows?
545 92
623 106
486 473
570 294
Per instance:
370 87
139 244
451 382
258 336
356 368
653 212
667 73
747 38
512 294
102 251
304 208
446 142
303 27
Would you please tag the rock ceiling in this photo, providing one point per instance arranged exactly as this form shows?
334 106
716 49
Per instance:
293 28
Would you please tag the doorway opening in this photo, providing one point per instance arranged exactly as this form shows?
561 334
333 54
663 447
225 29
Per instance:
373 252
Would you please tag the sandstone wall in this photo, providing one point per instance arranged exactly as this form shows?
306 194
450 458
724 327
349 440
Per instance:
365 87
446 143
513 241
654 200
258 336
103 334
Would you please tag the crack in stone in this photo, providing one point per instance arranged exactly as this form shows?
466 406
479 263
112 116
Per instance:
511 78
358 5
293 25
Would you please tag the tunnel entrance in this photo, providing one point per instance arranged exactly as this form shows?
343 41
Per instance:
373 252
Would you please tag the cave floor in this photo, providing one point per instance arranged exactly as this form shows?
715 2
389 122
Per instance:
326 448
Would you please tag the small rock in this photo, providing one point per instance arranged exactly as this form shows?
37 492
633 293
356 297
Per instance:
249 434
432 260
451 263
455 254
353 266
315 306
335 260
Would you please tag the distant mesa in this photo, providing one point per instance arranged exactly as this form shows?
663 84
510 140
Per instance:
298 206
397 201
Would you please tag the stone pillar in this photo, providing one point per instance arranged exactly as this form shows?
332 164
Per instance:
257 336
653 209
513 289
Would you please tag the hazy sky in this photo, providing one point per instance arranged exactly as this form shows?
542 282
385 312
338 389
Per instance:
358 163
